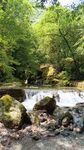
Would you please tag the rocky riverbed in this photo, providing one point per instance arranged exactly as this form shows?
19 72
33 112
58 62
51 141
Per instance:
46 127
34 138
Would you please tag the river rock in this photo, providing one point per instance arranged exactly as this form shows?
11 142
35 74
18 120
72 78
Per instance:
78 122
51 125
39 117
80 105
79 108
34 117
12 112
47 103
43 117
63 116
59 111
77 130
66 119
35 136
78 117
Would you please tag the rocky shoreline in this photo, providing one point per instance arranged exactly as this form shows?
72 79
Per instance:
34 138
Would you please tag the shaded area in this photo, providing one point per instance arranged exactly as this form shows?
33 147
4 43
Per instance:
17 93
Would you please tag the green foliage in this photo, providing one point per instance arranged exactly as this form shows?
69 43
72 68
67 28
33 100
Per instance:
61 39
17 41
56 38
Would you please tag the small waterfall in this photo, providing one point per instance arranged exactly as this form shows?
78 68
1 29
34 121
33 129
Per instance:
64 98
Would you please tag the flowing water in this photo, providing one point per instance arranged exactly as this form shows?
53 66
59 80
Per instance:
63 97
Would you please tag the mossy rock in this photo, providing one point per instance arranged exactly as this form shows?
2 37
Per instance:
6 102
47 103
12 112
34 117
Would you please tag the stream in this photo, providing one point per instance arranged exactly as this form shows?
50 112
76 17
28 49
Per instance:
35 137
63 97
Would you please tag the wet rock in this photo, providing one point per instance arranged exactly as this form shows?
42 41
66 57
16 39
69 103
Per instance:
59 111
65 132
47 103
36 137
51 127
12 113
80 105
57 131
63 116
66 121
79 108
78 121
70 127
50 135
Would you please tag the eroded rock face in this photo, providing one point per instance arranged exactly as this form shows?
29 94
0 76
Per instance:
47 103
12 112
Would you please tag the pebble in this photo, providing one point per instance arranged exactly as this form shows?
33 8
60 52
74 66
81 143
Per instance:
77 130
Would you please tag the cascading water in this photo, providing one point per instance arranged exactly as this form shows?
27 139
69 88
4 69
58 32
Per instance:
64 98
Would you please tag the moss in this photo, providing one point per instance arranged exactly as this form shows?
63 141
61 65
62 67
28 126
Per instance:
47 104
6 102
43 102
12 112
22 108
11 119
34 118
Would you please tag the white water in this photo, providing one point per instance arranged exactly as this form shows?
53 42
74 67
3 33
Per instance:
64 98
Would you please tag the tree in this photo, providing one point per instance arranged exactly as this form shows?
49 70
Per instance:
59 31
16 36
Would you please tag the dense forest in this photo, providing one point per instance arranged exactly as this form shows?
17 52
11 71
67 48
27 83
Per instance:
42 45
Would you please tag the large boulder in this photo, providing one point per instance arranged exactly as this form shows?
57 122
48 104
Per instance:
47 103
12 112
17 93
